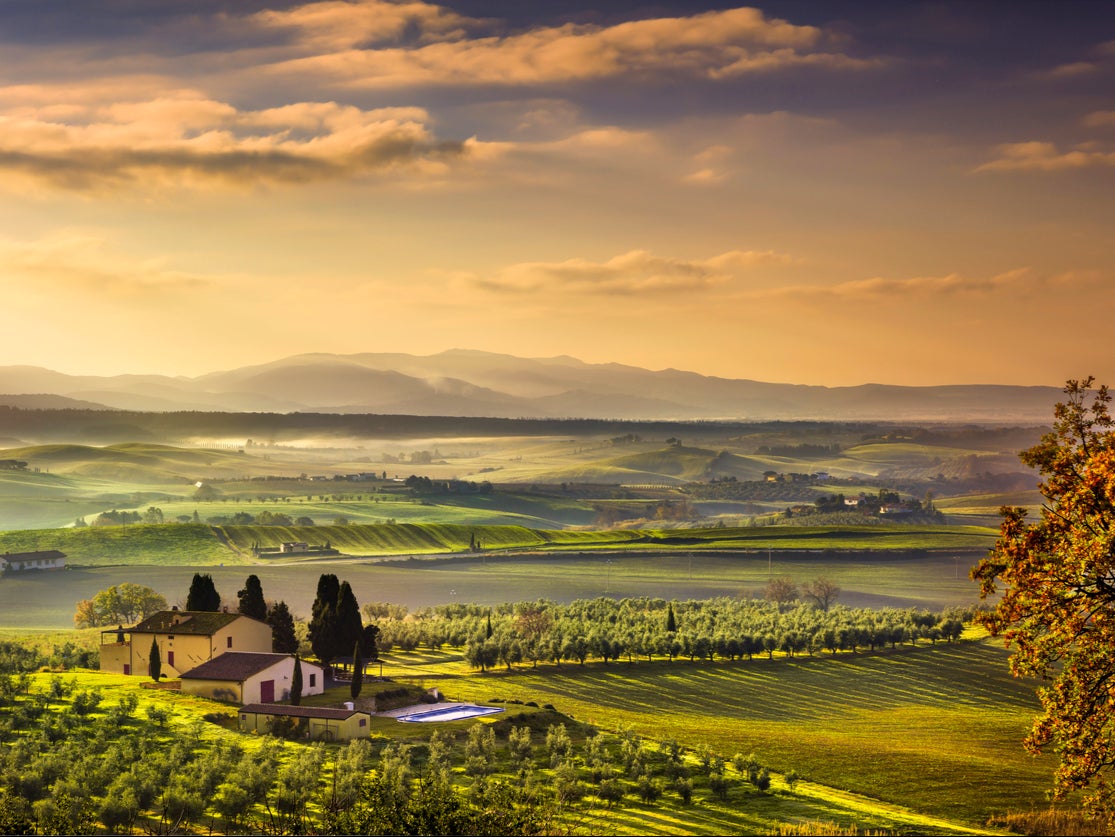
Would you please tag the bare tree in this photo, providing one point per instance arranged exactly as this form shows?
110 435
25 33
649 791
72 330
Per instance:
781 590
822 591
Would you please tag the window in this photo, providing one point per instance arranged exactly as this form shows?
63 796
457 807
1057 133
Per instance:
228 642
363 722
170 636
313 680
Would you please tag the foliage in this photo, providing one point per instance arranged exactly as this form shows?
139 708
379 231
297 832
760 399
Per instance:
203 595
284 639
251 599
155 661
121 604
296 682
323 619
357 682
1058 603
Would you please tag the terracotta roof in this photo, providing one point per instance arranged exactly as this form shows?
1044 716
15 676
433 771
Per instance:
186 622
301 711
235 665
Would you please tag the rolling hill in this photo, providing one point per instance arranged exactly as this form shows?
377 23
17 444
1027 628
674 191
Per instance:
470 383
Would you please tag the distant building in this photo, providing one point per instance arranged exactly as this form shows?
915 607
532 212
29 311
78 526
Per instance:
320 723
245 677
185 638
17 562
294 546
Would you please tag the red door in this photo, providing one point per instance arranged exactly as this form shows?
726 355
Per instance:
267 691
170 658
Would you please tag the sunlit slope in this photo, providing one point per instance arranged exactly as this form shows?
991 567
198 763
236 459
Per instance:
671 465
200 544
135 462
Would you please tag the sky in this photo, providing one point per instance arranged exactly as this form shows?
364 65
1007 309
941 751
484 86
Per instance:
807 192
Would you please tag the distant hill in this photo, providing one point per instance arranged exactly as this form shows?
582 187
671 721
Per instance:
471 383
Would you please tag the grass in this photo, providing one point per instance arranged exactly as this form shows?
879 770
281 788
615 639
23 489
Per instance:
47 600
936 730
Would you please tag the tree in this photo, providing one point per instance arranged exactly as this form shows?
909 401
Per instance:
323 619
155 663
251 599
284 639
350 627
1058 577
671 621
781 590
203 594
296 683
357 682
823 591
119 604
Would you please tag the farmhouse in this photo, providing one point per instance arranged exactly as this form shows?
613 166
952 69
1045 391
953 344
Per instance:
185 638
245 677
320 723
49 559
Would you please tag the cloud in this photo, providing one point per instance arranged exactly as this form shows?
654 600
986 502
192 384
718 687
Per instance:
186 139
1100 119
87 264
635 272
712 45
1015 283
334 25
1045 156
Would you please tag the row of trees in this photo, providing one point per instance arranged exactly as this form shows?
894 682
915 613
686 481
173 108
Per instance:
607 630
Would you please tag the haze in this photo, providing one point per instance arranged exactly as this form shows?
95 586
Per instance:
806 192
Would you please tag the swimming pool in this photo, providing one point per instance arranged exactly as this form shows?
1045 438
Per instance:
455 712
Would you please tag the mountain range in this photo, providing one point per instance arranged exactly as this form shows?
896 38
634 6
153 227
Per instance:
473 383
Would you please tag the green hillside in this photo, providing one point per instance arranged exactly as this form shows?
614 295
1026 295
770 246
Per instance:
195 544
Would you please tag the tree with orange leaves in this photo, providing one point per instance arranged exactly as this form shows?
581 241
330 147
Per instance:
1058 602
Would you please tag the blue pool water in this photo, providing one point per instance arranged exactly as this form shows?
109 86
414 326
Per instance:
456 712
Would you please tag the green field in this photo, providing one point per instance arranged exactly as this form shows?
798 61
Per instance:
935 729
744 811
48 600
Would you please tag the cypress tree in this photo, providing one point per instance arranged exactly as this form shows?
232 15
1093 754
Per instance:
671 622
155 664
203 594
350 627
323 618
296 683
488 630
251 599
369 645
284 640
357 672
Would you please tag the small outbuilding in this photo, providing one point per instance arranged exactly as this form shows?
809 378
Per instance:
244 677
319 723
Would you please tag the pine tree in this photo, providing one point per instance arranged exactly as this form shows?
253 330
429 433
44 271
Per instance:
296 683
203 595
251 599
357 672
284 640
155 664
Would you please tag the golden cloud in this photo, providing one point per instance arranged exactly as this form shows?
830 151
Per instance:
187 139
713 45
86 263
1045 156
635 272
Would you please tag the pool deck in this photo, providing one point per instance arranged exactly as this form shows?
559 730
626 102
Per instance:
417 708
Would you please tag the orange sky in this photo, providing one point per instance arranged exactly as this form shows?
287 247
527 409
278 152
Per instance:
812 193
